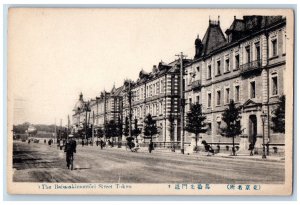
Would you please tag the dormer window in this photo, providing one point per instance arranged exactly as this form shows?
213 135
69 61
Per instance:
218 67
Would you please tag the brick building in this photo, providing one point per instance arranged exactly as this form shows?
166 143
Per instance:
157 93
247 65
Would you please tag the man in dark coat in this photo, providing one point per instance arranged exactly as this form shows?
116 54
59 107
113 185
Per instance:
70 149
151 146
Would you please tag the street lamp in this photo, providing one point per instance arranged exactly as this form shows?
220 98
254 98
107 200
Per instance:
264 117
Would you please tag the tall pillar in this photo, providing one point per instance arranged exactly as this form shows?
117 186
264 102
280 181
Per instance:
244 138
259 139
175 133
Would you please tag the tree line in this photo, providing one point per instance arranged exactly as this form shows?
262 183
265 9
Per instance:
21 128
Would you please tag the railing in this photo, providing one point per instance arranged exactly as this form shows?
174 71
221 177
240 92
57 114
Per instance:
196 84
251 66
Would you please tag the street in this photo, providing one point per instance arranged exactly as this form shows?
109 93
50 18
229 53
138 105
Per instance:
38 162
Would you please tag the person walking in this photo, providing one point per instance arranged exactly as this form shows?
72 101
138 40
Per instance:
70 149
61 144
101 144
151 146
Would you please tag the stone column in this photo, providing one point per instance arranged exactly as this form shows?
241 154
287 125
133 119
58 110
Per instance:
244 138
259 131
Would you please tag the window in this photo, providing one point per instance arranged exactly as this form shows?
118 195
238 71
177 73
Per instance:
209 100
161 108
247 48
237 93
257 48
162 86
157 88
219 128
252 89
218 97
209 128
218 67
190 103
147 91
274 85
227 65
197 99
209 72
274 47
190 78
237 61
227 95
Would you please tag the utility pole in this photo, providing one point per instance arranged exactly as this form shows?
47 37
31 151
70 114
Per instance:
130 114
68 127
54 129
182 103
92 127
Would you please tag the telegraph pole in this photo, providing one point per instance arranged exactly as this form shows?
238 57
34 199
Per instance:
130 114
182 103
92 127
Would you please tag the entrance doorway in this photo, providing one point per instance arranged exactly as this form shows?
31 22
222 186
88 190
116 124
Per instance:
252 129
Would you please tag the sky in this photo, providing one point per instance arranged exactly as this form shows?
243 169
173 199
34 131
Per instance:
54 54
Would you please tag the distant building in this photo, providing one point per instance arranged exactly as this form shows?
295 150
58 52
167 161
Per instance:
79 116
98 111
107 107
247 66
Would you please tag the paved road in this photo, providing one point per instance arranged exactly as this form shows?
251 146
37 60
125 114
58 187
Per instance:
41 163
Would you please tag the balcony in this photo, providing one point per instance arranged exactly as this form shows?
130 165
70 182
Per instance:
251 67
196 85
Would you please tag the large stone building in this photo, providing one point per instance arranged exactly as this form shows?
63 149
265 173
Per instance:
247 65
157 93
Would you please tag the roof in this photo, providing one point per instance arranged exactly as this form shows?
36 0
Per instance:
242 27
159 70
213 37
117 91
79 104
237 25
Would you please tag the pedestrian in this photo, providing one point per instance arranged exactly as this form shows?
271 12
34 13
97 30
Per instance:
101 144
151 146
251 148
82 143
61 144
70 149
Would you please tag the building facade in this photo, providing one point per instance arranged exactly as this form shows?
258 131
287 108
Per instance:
79 116
246 66
156 93
98 111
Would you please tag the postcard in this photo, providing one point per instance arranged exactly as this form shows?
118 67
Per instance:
149 101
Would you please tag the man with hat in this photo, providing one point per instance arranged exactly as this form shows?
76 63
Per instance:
70 149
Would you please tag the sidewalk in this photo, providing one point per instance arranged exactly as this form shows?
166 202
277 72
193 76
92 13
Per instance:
198 154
